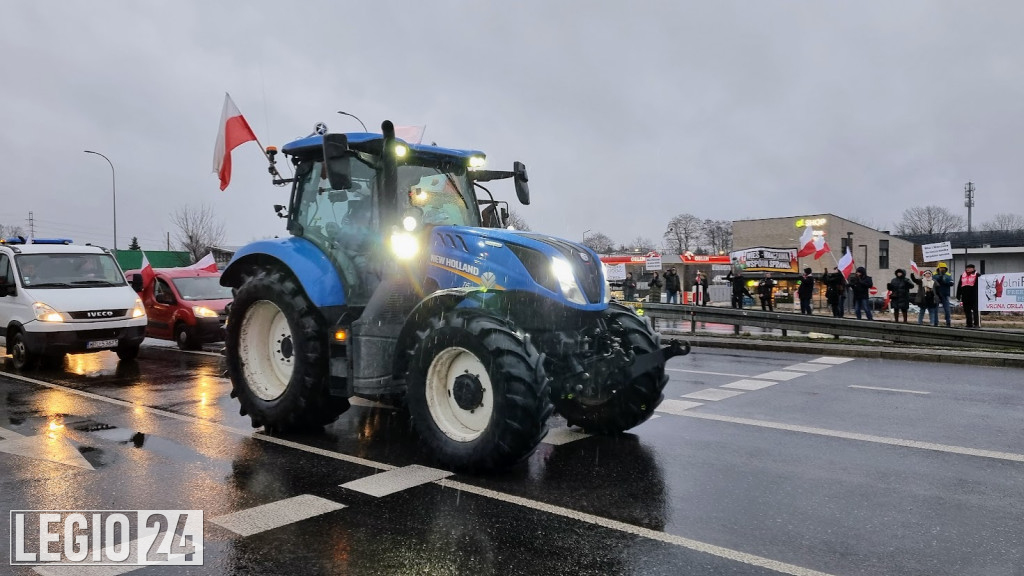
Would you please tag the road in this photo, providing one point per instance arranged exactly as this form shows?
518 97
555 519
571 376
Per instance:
756 463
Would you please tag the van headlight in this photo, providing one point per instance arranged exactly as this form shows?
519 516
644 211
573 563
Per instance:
203 312
46 313
138 311
567 281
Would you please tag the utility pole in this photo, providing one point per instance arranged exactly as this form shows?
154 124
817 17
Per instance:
168 241
969 203
31 226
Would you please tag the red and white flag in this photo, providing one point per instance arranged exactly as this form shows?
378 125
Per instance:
206 263
914 268
146 271
411 134
234 131
806 243
820 247
845 263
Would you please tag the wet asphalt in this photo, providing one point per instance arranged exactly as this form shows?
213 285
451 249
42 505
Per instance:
806 475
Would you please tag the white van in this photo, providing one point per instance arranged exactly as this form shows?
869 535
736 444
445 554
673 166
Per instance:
56 298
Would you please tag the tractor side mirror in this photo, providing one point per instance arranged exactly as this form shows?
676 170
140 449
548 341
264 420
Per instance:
137 282
337 161
504 214
521 179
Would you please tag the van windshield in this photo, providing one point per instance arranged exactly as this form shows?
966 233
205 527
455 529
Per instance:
201 288
68 271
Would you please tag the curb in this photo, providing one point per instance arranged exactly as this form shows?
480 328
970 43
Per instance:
943 356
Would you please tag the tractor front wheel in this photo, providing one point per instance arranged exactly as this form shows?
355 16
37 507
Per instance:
477 392
277 356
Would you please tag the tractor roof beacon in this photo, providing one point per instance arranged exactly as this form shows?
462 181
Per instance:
397 282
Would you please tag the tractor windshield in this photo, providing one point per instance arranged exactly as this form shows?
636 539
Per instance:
443 191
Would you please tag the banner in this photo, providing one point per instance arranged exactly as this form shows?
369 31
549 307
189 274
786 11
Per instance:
615 272
765 260
936 252
653 263
1001 292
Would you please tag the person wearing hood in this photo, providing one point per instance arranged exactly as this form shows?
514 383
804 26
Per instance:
927 298
805 292
672 286
860 285
739 288
835 293
900 300
967 292
943 283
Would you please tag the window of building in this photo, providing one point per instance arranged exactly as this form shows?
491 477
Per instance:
883 254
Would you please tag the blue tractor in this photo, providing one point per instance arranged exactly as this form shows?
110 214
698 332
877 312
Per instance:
398 282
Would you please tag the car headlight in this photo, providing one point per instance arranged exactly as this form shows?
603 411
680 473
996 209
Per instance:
404 245
567 281
203 312
45 313
138 311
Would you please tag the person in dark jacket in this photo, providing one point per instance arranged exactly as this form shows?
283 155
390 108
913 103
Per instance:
943 282
629 288
672 286
899 301
806 292
700 287
739 289
835 291
967 293
654 288
927 298
766 291
860 285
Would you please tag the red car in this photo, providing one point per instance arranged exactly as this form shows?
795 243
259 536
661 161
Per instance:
186 306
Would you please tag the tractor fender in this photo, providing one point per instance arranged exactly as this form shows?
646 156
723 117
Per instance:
433 305
307 263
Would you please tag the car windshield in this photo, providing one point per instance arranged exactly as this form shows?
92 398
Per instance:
68 271
201 288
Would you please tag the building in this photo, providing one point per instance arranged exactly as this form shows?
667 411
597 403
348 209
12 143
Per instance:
991 252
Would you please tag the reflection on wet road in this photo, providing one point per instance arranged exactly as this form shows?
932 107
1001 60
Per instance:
756 463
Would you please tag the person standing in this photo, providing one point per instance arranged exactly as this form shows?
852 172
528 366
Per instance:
766 292
900 300
835 291
701 282
967 293
943 282
629 287
860 285
739 289
672 286
654 288
806 292
927 299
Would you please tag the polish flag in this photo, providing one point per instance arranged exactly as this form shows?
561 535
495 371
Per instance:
845 263
146 271
207 263
820 247
411 134
914 268
234 131
807 246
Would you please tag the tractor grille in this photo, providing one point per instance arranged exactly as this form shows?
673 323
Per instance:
453 241
586 268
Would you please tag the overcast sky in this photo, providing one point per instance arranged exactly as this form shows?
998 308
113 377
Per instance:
625 113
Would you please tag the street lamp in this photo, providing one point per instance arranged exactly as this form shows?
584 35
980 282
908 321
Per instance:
356 117
585 235
113 188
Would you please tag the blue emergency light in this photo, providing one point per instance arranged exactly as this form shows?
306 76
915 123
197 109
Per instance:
23 240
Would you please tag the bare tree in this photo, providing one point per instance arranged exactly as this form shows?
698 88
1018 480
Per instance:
682 233
198 230
929 220
641 244
1005 221
516 220
599 243
717 235
10 230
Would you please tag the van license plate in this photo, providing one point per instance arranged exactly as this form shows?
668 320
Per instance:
102 344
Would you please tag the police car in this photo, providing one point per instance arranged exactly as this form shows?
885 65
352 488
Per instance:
57 297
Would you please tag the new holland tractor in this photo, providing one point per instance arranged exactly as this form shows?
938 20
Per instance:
398 283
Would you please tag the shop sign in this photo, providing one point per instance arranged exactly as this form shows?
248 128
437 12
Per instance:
812 222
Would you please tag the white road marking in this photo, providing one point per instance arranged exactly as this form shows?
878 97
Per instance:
276 514
84 569
862 437
709 373
749 384
665 537
778 375
832 360
676 406
888 389
396 480
559 436
43 447
9 434
807 367
712 394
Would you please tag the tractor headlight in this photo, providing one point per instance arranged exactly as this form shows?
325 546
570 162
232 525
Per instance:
45 313
138 311
567 281
404 245
477 162
203 312
401 150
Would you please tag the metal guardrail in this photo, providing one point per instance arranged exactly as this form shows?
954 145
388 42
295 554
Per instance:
838 327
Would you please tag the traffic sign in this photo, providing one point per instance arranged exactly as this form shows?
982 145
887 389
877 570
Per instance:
872 290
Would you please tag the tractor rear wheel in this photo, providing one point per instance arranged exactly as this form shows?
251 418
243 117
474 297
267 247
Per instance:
277 356
634 401
477 392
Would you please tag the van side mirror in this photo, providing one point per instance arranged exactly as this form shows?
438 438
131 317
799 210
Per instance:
137 282
337 161
521 179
